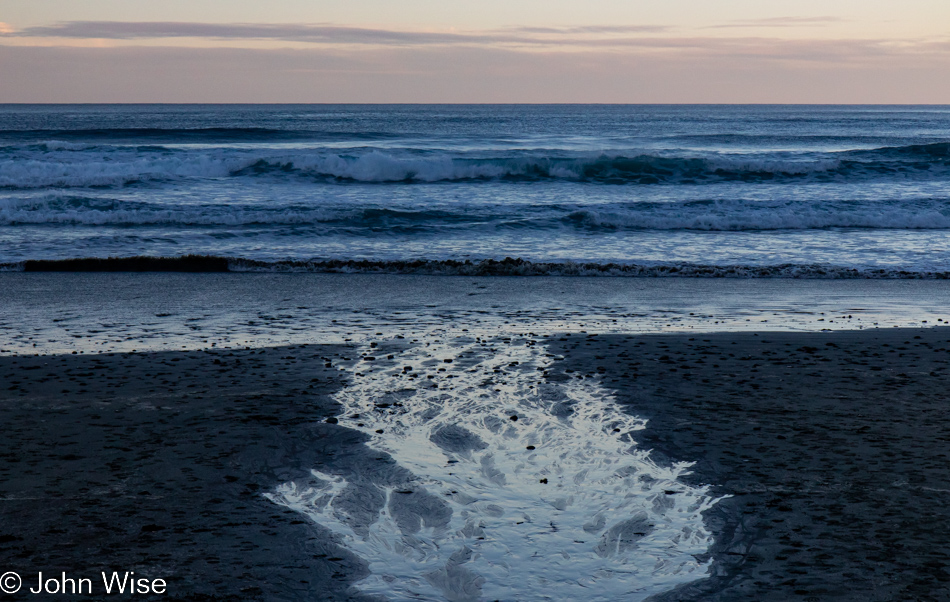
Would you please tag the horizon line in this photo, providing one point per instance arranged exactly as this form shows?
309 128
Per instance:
538 104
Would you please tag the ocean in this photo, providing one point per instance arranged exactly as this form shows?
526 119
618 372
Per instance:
631 190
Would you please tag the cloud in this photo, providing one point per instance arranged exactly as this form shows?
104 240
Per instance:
651 41
122 30
779 22
591 37
6 28
594 29
321 33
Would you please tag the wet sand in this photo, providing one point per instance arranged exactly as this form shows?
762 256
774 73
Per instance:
155 463
119 312
834 447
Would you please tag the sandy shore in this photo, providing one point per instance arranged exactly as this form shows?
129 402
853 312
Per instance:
155 463
833 445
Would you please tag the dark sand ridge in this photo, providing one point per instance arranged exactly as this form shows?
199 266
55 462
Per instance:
834 445
156 462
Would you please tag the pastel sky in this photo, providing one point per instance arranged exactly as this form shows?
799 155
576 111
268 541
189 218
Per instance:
681 51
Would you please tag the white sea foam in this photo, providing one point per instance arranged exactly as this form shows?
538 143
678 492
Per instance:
559 504
61 145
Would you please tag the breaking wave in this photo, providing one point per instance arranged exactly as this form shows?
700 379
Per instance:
58 164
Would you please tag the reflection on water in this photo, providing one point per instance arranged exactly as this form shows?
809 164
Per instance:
92 313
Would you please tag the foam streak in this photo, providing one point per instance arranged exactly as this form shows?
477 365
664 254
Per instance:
557 504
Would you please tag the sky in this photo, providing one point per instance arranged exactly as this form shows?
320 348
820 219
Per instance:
377 51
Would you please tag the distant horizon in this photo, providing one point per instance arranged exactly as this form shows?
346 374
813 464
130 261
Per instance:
513 104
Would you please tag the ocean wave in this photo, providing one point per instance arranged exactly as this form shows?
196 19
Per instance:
447 267
85 211
20 173
737 216
189 135
936 149
377 166
120 166
707 215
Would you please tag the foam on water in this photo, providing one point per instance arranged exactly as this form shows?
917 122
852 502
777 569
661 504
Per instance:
557 504
72 164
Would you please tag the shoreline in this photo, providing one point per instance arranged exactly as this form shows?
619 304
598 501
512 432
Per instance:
467 268
122 312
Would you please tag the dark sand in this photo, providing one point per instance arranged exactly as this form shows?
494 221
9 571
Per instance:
155 463
834 445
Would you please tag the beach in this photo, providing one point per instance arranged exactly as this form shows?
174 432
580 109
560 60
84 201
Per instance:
155 463
476 352
830 447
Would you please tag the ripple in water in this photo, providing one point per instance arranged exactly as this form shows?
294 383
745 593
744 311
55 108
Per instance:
521 488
